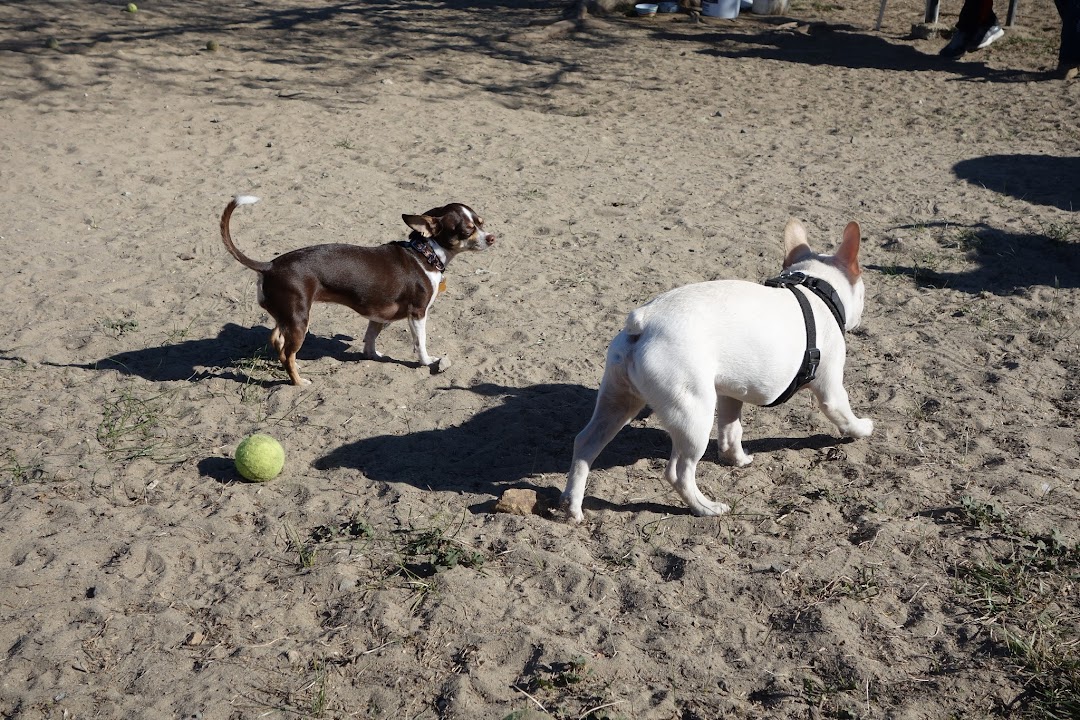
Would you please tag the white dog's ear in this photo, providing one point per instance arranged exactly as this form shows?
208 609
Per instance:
426 226
795 246
847 257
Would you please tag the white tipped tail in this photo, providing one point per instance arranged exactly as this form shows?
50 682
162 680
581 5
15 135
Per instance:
226 236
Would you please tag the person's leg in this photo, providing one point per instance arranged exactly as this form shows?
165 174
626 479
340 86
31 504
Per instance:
976 14
976 28
1069 52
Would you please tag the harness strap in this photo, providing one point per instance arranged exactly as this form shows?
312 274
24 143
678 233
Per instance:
812 356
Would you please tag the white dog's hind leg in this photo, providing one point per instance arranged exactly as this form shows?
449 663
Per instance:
616 405
689 428
729 436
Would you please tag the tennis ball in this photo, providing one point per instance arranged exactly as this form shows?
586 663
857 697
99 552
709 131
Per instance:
259 457
132 8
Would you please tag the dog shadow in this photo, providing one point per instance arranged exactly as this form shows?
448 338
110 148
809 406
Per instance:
229 355
528 433
1004 262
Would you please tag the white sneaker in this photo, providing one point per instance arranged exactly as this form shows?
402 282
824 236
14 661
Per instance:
987 36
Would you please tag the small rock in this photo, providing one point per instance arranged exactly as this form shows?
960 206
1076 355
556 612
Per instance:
196 638
518 501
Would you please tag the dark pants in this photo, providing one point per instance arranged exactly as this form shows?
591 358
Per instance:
1069 52
978 14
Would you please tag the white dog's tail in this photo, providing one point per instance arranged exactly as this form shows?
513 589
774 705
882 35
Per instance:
636 321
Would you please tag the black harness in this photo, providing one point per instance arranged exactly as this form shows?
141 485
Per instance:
812 357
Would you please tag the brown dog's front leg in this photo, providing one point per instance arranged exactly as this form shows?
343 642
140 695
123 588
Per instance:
418 326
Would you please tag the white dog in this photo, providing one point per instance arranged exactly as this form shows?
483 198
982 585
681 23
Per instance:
705 349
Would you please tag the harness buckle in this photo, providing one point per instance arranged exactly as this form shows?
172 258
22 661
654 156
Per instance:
811 360
787 279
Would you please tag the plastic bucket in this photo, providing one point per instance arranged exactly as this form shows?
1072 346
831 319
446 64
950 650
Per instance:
722 9
769 7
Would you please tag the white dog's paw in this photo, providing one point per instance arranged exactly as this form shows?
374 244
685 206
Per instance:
573 514
861 428
711 509
736 458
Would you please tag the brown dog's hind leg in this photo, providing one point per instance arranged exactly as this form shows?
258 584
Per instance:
278 343
292 337
373 329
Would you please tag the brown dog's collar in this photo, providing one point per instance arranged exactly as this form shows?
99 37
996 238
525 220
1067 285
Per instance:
425 250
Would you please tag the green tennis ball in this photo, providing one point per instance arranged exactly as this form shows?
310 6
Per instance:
132 8
259 458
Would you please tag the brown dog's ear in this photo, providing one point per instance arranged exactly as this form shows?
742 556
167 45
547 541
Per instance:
423 224
847 257
795 246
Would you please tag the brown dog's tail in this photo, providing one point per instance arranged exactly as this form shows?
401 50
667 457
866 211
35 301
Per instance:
226 238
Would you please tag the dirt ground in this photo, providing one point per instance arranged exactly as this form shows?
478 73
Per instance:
140 577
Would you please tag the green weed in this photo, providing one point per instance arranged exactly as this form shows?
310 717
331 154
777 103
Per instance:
133 427
17 472
1026 598
120 327
256 370
305 553
442 552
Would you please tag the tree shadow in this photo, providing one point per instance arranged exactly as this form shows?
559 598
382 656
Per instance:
224 356
354 43
835 45
1007 261
529 432
356 39
1038 179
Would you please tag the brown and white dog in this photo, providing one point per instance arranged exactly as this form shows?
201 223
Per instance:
395 281
695 354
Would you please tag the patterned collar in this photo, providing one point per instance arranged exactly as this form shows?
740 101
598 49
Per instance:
430 255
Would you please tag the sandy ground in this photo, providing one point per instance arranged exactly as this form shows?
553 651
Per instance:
141 578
